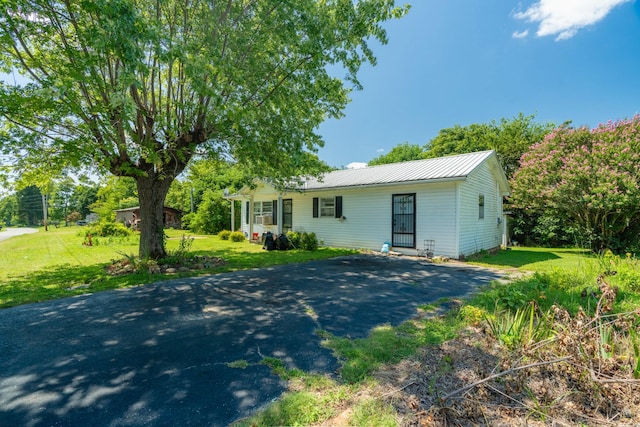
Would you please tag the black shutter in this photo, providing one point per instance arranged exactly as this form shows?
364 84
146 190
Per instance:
315 207
247 213
275 212
338 206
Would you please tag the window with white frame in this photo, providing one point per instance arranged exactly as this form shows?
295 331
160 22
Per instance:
262 209
327 207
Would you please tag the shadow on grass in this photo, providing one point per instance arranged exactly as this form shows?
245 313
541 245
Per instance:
518 258
68 280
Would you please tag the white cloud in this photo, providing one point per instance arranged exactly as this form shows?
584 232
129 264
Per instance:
356 165
564 18
380 150
520 34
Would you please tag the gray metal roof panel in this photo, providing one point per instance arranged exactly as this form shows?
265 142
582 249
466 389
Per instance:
441 168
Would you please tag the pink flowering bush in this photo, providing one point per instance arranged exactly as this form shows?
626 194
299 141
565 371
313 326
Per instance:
590 178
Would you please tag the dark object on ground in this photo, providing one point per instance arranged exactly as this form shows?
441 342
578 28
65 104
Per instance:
269 242
282 243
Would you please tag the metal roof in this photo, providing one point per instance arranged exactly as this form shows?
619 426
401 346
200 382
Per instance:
441 168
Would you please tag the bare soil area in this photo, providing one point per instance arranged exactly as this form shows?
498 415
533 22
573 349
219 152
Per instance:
472 380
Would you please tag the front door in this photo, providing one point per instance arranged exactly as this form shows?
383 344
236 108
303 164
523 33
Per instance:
287 215
404 221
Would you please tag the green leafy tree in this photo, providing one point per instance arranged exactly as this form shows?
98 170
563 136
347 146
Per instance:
205 184
400 153
30 205
589 177
9 210
213 214
510 138
138 87
84 195
60 200
115 193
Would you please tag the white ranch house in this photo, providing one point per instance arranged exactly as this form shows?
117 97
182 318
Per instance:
455 201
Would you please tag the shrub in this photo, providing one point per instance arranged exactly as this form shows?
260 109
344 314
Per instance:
237 236
74 216
224 235
294 239
108 229
309 241
187 220
184 249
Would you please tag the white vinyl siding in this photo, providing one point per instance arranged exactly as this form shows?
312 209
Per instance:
368 221
479 232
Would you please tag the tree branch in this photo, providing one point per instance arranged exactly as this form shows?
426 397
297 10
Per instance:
502 374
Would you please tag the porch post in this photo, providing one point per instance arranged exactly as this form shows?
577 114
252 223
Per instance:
251 218
280 215
233 215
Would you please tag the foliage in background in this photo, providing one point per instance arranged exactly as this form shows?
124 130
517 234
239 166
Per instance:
510 138
29 206
400 153
213 214
115 193
590 179
203 188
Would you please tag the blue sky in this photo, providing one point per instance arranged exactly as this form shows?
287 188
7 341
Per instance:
460 62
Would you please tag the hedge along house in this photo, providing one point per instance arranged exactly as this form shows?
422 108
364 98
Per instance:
454 201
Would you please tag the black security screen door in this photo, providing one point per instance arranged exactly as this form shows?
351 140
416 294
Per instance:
404 221
287 215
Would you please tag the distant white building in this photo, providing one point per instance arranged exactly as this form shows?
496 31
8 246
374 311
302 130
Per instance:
455 201
92 217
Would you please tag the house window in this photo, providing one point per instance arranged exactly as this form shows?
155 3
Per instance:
481 206
327 207
262 209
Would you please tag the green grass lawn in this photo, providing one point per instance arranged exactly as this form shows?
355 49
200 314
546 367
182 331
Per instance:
561 276
537 259
55 264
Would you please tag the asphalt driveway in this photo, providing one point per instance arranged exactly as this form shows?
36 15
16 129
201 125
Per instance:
8 233
159 354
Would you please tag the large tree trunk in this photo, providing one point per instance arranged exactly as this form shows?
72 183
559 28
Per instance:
151 194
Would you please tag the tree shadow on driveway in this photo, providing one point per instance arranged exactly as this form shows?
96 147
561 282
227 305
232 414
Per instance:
161 354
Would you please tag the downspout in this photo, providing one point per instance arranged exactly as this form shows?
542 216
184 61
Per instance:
456 226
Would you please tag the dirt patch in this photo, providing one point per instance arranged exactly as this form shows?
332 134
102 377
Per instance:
129 265
472 380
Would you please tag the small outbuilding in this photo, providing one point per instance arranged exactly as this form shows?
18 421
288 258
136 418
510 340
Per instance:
449 206
172 218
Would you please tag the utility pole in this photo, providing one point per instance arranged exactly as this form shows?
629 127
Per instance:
44 211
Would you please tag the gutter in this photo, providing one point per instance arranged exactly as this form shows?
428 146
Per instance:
383 184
